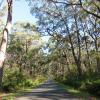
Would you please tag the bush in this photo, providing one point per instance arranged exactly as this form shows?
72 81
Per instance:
93 87
28 83
73 82
13 80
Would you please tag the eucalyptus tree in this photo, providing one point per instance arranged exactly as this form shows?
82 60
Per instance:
3 45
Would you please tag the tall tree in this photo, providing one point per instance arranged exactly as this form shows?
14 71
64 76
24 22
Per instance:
4 41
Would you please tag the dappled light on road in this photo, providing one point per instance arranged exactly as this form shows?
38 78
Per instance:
47 91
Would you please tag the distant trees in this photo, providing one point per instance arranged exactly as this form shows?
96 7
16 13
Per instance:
25 50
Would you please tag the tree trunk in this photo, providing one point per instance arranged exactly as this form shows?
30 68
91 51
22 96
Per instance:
67 62
77 61
79 46
88 57
97 54
87 51
4 41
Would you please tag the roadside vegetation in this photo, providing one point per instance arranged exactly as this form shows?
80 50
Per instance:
84 88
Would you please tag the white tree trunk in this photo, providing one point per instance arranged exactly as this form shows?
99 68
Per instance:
4 41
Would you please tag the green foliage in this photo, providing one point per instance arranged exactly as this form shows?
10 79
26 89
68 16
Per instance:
75 92
23 86
35 82
74 83
93 87
90 84
10 97
14 80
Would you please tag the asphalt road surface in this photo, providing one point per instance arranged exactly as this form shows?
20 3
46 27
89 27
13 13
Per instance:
50 90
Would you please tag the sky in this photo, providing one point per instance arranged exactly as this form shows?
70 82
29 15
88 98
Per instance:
21 12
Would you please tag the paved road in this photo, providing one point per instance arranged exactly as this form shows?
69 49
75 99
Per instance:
47 91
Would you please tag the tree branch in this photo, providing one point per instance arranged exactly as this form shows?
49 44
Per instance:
88 11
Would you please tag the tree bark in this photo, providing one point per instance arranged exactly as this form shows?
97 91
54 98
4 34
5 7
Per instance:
97 53
79 47
4 41
88 57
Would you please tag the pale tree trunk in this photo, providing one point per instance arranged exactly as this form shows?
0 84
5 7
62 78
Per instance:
4 41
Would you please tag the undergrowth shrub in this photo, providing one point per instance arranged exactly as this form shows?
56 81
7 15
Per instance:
14 80
73 82
90 84
93 87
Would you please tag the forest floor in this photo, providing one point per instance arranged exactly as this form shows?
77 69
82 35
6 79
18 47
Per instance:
50 90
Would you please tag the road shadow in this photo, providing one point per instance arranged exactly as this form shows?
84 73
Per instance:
47 91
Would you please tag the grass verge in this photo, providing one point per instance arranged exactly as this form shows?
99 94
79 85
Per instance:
22 91
77 93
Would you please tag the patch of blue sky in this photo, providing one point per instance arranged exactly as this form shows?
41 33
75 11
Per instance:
21 12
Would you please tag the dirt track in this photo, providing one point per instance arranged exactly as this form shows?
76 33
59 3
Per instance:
47 91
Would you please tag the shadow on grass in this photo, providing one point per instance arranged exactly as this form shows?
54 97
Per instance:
12 95
81 94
